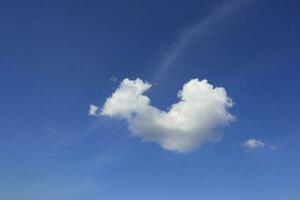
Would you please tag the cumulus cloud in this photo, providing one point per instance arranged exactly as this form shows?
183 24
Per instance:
253 144
93 110
190 122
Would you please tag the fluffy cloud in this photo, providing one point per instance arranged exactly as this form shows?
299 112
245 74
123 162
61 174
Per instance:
253 144
190 122
93 110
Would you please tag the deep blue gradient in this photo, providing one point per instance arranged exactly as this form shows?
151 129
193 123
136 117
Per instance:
57 57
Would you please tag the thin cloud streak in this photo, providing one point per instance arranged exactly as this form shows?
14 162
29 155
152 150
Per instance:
199 30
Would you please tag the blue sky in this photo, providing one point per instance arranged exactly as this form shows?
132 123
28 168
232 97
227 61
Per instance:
58 57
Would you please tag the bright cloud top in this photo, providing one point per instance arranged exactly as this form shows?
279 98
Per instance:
190 122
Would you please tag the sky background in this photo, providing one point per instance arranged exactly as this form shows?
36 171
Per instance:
58 57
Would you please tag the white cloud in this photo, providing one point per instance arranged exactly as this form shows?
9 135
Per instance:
253 144
190 122
93 110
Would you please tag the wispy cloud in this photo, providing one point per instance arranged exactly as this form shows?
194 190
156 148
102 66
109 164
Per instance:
273 147
113 79
199 30
254 144
93 110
